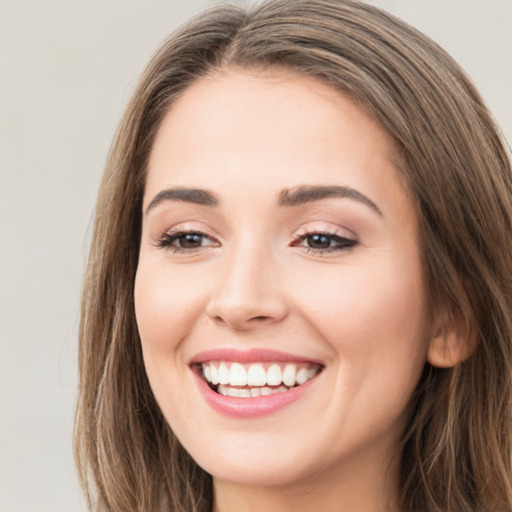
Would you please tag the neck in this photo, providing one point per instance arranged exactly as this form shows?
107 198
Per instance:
351 488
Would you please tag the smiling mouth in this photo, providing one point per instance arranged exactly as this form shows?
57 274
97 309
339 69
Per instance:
258 379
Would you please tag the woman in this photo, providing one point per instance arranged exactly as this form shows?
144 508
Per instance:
299 288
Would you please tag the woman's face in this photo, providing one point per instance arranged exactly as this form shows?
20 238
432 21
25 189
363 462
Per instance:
279 255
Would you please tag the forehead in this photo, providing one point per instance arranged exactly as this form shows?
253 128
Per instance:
265 102
270 130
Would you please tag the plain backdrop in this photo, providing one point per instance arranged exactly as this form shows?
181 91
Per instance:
67 69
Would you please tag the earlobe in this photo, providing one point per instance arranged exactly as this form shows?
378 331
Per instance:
451 344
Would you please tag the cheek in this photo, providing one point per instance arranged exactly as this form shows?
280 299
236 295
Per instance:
166 307
371 315
375 324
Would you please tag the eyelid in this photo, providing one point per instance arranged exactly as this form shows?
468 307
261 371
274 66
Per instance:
326 228
343 242
187 226
338 239
161 238
166 241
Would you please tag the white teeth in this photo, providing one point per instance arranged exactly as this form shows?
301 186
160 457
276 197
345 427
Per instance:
289 375
237 375
302 376
312 372
246 392
274 375
223 374
214 373
233 392
256 376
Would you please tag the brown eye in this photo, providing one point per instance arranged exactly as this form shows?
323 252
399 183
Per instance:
189 240
318 241
183 241
321 243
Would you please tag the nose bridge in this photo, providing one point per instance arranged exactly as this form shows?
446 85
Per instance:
247 293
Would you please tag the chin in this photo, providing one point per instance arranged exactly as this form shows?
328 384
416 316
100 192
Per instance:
254 474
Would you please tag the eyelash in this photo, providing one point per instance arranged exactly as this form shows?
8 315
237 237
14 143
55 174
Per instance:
167 240
343 243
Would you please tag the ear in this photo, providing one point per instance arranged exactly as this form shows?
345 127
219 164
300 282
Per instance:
451 343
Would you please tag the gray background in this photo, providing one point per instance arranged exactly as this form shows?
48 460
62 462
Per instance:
67 69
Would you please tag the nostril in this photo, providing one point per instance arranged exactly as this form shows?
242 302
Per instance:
244 313
240 323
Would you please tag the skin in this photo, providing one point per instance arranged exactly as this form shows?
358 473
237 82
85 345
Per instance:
253 282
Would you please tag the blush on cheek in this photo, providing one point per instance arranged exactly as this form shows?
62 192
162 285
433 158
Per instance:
378 310
153 320
166 310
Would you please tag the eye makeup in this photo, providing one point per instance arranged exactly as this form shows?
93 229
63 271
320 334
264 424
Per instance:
185 240
323 241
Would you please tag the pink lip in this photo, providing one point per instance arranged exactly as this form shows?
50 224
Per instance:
251 407
250 356
254 406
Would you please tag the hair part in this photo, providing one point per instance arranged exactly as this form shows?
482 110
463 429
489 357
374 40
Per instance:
455 454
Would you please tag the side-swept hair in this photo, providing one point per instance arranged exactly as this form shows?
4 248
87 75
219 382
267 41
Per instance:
456 450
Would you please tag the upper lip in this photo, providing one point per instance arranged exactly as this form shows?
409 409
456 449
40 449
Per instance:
250 356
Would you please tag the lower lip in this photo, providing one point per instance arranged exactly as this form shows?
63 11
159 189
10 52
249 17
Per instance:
255 406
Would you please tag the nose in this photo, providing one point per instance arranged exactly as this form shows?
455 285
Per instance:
248 294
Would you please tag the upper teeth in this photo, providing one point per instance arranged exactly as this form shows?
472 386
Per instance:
275 374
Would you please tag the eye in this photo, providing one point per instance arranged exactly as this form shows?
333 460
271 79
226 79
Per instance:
185 241
324 242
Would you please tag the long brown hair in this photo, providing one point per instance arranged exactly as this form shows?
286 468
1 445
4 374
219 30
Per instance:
456 452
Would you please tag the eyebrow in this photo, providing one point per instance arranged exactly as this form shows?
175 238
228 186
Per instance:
287 197
307 194
188 195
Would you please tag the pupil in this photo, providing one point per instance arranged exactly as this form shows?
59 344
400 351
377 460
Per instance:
319 242
190 240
